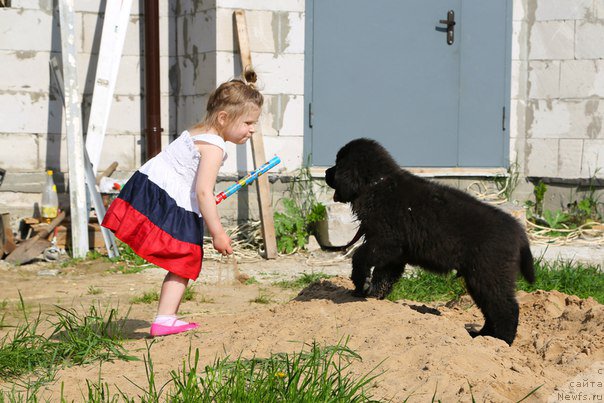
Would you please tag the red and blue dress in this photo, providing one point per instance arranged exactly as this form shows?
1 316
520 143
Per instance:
157 213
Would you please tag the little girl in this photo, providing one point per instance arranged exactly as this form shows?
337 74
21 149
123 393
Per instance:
161 210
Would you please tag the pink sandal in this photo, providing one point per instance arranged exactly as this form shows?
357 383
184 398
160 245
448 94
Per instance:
163 330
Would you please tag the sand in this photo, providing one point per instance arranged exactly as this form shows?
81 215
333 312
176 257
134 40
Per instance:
420 350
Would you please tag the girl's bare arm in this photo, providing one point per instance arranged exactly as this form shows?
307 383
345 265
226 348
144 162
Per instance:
211 160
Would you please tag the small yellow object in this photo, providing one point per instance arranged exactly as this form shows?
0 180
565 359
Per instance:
280 375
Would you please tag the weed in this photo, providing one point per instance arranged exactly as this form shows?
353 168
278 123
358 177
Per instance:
92 290
189 294
318 375
147 298
251 280
424 286
75 339
301 212
263 298
303 281
568 277
506 184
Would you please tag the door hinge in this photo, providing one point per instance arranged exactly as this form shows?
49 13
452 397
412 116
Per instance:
503 119
310 115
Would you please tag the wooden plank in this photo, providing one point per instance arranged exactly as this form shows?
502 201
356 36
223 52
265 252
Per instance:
7 240
117 16
73 123
107 172
262 185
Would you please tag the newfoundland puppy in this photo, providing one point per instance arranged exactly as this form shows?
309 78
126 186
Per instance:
409 220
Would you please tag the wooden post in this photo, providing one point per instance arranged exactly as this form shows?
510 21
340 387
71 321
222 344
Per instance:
262 185
73 124
7 240
117 16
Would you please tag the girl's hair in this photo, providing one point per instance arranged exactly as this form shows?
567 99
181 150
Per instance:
235 97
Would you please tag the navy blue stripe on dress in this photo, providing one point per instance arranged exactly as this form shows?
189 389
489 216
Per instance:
161 209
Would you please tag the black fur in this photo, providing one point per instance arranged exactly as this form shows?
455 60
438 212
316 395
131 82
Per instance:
410 220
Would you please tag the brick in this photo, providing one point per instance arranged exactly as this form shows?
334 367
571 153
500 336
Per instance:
569 159
544 79
551 119
520 31
593 159
120 148
280 75
193 74
589 39
548 10
130 77
24 71
581 78
542 157
18 26
52 152
552 40
29 112
18 151
125 115
518 10
573 118
44 5
282 115
196 33
519 70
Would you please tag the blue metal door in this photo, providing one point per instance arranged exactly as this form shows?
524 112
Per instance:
426 78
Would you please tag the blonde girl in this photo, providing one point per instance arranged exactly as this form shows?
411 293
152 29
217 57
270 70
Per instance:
161 210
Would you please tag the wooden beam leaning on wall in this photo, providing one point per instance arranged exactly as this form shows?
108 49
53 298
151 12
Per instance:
264 194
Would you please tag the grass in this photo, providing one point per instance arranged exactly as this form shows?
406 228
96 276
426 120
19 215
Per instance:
74 339
424 286
149 297
302 281
92 290
314 374
263 298
567 277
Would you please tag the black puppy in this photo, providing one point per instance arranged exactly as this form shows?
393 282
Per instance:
409 220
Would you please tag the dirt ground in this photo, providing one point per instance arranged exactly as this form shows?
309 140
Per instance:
560 342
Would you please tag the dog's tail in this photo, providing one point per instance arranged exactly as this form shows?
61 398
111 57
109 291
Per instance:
526 263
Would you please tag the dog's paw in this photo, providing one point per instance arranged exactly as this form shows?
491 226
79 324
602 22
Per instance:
364 290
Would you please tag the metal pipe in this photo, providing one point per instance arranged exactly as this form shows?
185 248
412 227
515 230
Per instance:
152 91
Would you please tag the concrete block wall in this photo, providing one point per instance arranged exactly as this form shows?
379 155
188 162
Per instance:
557 85
558 88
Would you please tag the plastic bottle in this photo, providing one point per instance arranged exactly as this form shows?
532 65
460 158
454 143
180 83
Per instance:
50 200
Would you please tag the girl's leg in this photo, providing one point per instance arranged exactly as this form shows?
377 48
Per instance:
172 290
166 322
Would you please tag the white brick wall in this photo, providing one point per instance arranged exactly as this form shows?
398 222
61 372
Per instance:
556 119
557 82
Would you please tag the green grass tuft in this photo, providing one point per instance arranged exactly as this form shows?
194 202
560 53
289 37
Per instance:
567 277
317 375
74 338
424 286
147 298
571 278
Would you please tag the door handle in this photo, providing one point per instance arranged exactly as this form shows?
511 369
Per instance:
450 22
